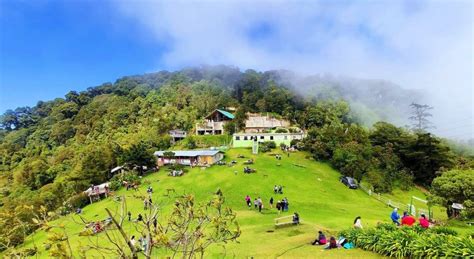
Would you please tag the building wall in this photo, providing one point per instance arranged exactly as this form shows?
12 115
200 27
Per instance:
210 127
190 160
211 159
245 139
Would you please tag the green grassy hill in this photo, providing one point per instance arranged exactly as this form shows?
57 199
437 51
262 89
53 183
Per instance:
313 190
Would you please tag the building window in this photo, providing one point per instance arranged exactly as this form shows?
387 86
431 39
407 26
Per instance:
237 138
262 137
245 138
271 137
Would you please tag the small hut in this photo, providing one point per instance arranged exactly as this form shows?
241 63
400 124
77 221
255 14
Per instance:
177 135
95 191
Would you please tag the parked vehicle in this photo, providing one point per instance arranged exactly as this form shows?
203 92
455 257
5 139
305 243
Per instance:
349 182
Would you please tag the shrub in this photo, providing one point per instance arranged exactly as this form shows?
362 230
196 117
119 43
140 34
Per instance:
117 180
267 146
387 226
378 181
178 167
443 230
295 142
405 180
79 200
281 130
412 242
190 142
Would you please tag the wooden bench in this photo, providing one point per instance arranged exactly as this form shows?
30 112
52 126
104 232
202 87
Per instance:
285 221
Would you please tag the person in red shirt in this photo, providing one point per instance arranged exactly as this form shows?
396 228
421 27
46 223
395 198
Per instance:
408 220
424 223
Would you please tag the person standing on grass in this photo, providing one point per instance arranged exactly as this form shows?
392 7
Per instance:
260 204
155 223
129 216
144 243
271 202
395 217
133 242
357 222
248 201
278 206
275 189
145 204
255 203
286 204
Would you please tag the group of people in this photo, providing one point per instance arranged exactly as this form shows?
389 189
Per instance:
142 243
147 203
282 205
333 243
248 170
129 185
408 220
278 189
258 204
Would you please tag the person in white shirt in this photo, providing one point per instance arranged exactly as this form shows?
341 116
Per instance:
133 241
357 222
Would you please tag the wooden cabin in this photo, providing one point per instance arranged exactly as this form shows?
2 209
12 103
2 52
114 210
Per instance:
189 157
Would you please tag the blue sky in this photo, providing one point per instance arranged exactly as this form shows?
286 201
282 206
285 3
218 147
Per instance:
49 47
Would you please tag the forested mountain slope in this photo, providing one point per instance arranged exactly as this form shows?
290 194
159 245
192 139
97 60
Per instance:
51 152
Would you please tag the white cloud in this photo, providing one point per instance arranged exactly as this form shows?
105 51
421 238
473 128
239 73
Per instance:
417 44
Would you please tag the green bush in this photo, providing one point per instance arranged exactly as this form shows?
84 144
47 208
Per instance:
267 146
411 242
117 180
387 226
295 142
79 200
378 181
443 230
404 180
177 167
281 130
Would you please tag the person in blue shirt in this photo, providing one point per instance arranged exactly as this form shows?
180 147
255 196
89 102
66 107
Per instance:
395 217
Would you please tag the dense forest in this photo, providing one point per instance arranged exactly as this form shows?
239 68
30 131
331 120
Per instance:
53 151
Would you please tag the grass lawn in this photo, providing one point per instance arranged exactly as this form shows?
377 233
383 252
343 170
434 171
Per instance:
313 190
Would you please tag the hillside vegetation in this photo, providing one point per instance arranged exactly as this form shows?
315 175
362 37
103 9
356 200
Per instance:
53 151
313 190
